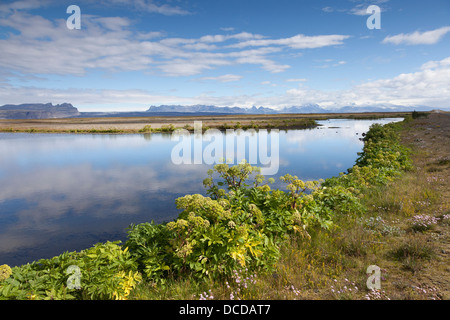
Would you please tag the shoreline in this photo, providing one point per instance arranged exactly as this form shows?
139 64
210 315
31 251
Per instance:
423 265
133 125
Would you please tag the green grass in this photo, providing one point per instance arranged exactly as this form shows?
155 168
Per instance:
412 252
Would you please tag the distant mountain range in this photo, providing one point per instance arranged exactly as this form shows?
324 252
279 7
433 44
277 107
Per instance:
309 108
66 110
38 111
211 109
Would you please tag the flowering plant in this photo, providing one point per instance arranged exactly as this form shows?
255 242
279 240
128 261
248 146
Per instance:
423 222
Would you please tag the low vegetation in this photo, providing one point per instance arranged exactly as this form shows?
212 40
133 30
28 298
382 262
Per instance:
90 131
246 240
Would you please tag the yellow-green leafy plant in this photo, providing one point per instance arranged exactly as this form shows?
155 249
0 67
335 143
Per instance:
5 272
104 271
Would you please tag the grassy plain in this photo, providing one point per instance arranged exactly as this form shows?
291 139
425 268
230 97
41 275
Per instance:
122 125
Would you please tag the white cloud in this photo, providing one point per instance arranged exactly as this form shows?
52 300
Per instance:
140 5
42 46
149 35
227 29
428 86
110 23
148 6
436 64
359 10
163 9
416 38
222 38
224 78
299 41
297 80
269 83
45 47
79 97
266 64
192 65
328 65
22 5
328 9
200 46
207 39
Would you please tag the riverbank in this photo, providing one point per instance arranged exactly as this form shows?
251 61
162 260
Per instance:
384 212
119 125
404 230
414 261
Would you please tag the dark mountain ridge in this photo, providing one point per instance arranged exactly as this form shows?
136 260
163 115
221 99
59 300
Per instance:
38 111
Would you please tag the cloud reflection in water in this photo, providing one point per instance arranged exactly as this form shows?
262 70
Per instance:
66 192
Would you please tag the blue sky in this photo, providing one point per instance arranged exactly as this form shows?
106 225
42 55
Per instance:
129 55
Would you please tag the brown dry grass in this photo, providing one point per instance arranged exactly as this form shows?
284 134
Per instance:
134 124
429 138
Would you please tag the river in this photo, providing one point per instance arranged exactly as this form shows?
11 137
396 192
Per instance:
66 192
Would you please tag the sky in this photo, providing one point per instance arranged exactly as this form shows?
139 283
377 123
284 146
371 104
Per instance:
130 55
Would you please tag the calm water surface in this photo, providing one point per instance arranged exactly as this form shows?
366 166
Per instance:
63 192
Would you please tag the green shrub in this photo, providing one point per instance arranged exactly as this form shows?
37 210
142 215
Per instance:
146 129
211 237
169 128
383 158
241 224
415 114
148 245
105 271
